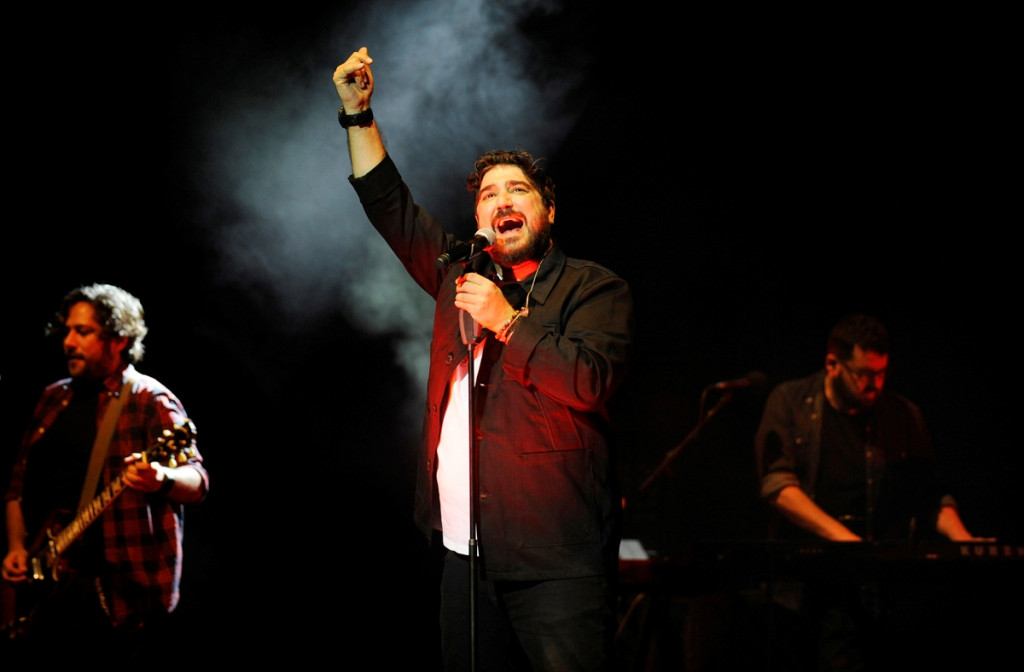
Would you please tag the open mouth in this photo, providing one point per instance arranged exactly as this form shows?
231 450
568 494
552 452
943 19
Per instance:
508 224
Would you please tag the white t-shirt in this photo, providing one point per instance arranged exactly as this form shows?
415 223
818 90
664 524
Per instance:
453 459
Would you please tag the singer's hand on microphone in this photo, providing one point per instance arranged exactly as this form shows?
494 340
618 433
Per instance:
482 299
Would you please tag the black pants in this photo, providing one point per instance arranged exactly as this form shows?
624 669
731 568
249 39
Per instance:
557 625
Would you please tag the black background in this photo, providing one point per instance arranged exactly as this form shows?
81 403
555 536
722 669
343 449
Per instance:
799 171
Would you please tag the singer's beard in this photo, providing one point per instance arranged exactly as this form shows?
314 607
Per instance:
534 247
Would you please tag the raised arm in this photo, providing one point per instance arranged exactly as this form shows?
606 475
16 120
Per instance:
354 82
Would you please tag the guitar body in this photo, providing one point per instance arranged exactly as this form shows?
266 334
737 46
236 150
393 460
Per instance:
28 599
44 563
43 615
47 574
51 556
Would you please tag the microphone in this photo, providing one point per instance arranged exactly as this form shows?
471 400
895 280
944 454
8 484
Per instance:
754 379
467 249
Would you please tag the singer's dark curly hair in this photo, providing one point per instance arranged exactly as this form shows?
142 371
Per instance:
117 312
500 157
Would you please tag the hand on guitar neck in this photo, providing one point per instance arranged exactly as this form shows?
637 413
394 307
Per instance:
145 476
146 472
44 563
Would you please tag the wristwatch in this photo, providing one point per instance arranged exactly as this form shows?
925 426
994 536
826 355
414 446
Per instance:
166 485
362 119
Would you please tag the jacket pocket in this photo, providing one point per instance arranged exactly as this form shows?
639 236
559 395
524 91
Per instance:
555 499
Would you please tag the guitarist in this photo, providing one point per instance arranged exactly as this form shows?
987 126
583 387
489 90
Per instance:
122 575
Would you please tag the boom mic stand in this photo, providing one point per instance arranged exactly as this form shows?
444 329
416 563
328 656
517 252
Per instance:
671 455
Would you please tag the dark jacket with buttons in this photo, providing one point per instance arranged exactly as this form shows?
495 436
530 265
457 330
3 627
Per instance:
548 506
903 491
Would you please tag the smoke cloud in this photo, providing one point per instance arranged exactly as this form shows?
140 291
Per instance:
453 79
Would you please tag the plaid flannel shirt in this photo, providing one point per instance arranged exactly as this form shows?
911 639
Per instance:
142 533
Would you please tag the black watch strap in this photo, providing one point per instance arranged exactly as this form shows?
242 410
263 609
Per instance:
166 485
362 119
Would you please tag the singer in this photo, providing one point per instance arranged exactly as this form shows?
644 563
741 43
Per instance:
557 336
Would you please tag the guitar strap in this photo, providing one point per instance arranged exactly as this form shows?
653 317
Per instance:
102 443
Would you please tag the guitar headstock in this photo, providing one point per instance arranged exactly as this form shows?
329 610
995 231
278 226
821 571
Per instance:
174 447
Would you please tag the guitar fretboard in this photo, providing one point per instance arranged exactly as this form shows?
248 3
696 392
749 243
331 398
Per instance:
86 516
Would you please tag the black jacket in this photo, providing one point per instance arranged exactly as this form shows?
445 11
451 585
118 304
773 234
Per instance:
548 506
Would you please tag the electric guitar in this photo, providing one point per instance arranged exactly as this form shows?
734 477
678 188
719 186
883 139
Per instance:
46 556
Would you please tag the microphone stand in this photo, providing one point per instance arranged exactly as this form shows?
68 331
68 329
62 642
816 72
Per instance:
471 335
671 455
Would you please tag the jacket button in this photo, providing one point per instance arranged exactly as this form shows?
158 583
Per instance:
449 358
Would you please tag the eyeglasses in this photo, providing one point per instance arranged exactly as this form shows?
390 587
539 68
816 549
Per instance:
864 374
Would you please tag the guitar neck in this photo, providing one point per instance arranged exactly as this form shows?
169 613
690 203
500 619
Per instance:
73 530
173 448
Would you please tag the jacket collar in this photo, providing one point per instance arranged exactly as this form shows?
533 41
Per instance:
540 284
